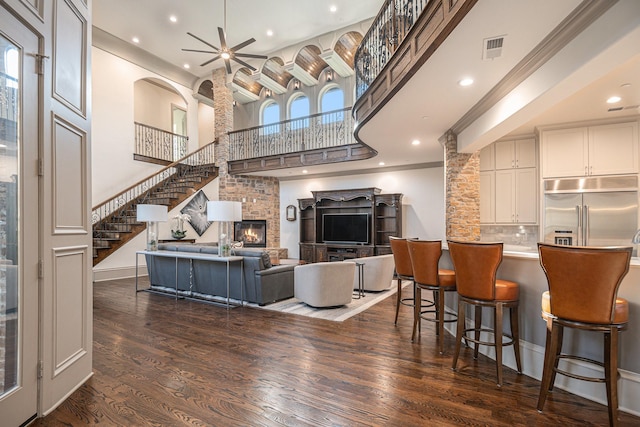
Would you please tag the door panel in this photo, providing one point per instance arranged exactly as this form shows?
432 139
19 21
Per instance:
18 221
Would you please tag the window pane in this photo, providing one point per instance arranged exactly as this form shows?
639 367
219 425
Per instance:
270 116
333 99
299 109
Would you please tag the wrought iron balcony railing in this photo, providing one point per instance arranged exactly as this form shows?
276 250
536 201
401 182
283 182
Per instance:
387 32
318 131
159 144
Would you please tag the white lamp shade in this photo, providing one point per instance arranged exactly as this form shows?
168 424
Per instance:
223 211
237 211
148 213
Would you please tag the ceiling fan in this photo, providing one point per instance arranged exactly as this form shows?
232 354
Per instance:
225 52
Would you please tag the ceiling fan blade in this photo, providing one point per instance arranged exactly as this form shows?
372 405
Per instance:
201 51
240 61
210 61
243 44
203 41
228 64
250 55
223 41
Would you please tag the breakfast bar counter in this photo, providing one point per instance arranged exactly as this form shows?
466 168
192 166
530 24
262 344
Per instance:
524 268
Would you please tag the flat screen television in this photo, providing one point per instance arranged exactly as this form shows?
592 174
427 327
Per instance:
347 228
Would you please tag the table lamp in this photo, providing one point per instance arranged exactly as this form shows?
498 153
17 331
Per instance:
224 212
152 214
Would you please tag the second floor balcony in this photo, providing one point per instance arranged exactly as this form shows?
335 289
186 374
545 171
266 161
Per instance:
315 139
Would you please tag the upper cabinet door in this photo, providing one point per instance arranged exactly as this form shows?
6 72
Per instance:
564 152
520 153
505 154
613 149
526 153
487 158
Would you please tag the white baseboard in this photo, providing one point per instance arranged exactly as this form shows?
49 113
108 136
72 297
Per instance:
532 356
102 274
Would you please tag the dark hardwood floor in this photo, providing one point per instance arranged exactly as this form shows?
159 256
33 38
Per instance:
163 362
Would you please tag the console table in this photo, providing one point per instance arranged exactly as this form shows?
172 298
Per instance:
196 256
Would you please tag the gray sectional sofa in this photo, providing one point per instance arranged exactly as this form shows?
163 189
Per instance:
263 283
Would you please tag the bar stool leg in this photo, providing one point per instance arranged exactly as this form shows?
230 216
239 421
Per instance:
611 373
416 312
478 326
459 333
497 333
515 333
550 363
439 295
558 351
398 299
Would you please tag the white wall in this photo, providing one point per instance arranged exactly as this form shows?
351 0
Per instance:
112 126
153 105
206 128
423 202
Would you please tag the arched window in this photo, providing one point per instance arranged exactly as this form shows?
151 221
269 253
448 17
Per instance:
332 99
270 116
298 109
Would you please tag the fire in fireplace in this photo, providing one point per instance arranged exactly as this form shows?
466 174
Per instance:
253 233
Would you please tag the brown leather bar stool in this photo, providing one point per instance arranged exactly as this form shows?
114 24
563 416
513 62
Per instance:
425 255
583 294
404 271
476 265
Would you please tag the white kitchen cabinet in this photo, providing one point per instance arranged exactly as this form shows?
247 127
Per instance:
487 162
613 149
487 197
516 196
513 154
590 150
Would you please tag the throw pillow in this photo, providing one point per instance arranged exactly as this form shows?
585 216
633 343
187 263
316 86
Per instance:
266 259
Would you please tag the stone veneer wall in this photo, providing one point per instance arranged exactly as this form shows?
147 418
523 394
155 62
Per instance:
264 190
463 191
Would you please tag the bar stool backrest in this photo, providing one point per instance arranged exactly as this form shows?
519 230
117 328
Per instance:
425 255
584 281
401 256
476 264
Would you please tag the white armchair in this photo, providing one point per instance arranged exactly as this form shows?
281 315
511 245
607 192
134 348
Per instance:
324 284
378 272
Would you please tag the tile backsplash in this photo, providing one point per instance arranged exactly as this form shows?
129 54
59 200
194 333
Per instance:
519 238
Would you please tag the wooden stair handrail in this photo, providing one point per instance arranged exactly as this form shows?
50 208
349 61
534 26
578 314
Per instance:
174 164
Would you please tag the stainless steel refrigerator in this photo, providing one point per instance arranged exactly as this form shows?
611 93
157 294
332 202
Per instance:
591 211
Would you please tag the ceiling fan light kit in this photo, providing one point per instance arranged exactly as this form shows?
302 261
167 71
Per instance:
226 53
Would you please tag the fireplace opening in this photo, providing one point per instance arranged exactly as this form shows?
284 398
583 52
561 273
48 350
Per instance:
252 233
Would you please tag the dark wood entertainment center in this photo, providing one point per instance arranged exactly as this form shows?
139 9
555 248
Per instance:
384 215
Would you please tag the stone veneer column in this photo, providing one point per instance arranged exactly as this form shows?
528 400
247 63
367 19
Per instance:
462 175
264 190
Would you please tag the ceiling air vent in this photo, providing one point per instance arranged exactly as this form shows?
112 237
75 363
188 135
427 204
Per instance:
628 107
492 48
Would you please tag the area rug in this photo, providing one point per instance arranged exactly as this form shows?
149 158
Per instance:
337 314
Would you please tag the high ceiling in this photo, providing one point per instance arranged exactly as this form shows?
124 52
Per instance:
291 21
432 102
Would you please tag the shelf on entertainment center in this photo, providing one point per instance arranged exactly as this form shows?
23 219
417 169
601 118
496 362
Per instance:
384 213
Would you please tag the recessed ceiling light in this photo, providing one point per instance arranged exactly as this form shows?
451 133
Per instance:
135 40
269 33
172 18
187 66
613 100
415 142
304 171
467 81
381 164
333 8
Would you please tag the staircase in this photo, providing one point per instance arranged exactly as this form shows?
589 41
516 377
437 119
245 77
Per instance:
114 221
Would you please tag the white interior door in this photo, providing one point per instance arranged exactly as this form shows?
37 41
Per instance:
19 310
